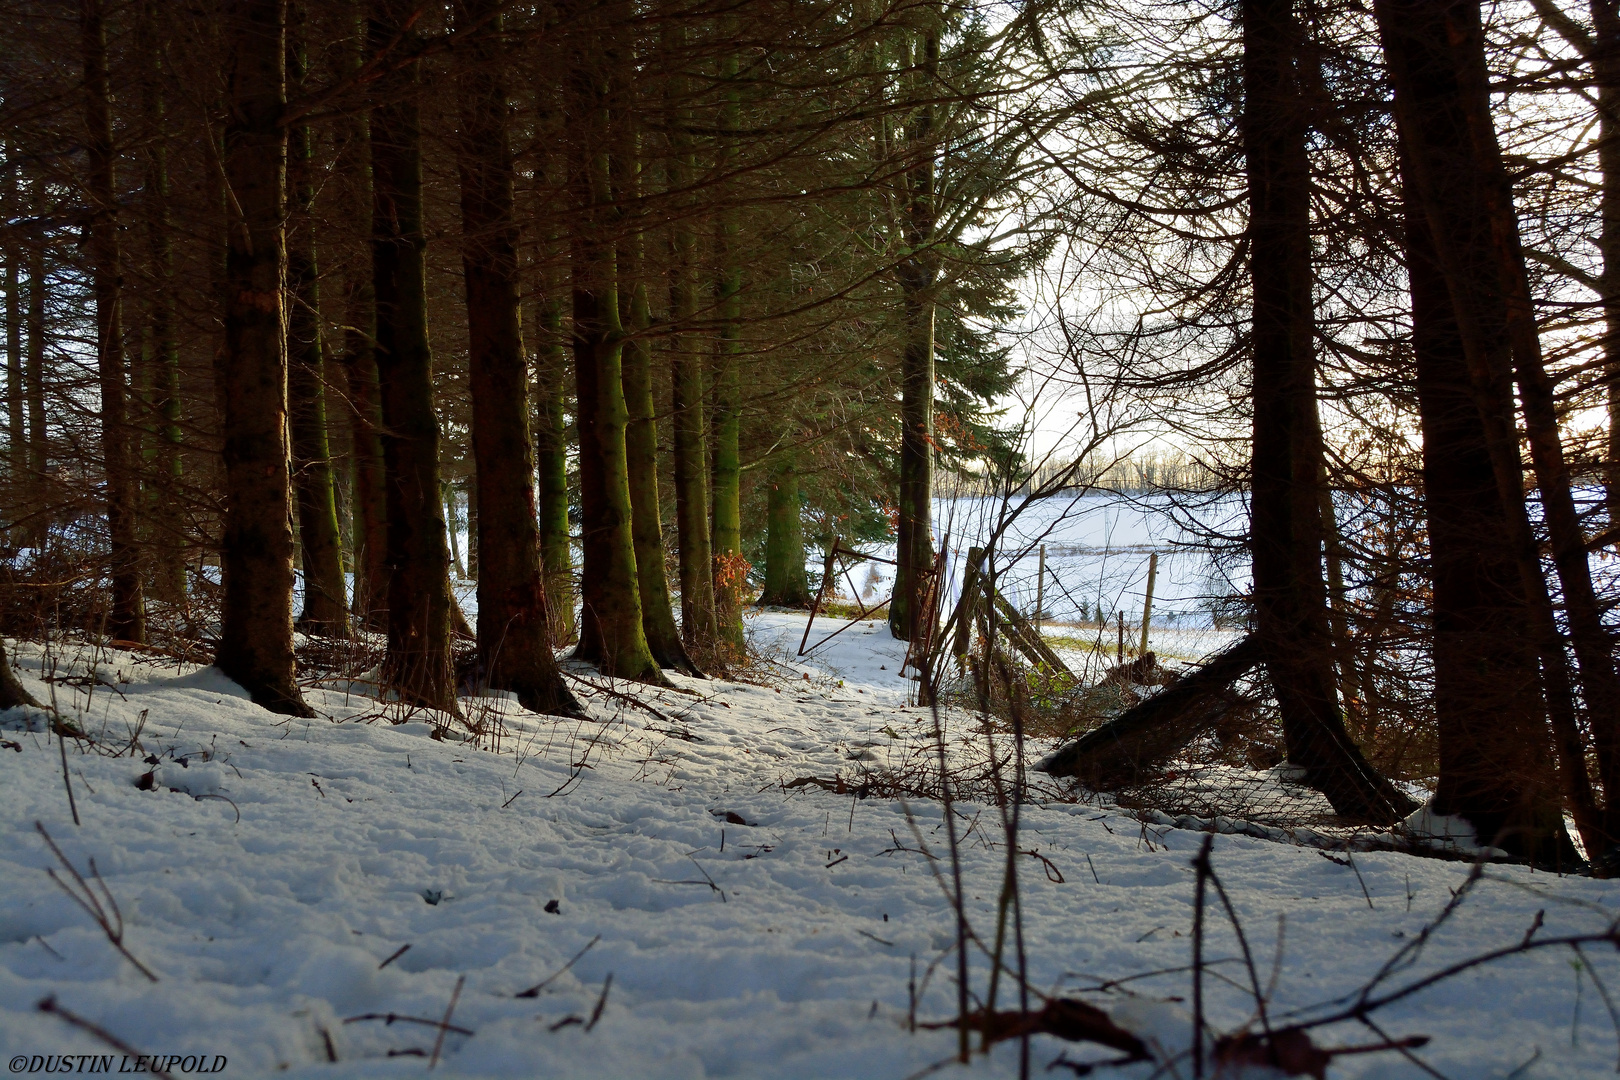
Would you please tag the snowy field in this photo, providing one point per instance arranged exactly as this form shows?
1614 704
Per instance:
293 883
1098 549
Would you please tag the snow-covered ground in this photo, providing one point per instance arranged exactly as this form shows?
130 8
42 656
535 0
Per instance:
273 867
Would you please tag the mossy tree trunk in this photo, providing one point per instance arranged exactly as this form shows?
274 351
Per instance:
256 632
725 487
325 594
786 583
641 429
611 633
699 630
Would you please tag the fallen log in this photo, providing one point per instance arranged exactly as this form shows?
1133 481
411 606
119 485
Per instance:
1123 750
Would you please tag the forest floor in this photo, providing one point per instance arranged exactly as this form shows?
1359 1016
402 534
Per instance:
294 883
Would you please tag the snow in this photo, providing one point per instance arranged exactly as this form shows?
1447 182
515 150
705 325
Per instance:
1098 546
268 878
1446 832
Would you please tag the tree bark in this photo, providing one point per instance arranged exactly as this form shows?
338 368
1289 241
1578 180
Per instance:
38 493
699 630
917 274
169 556
1605 57
325 593
359 365
1494 754
551 446
127 619
1442 105
729 569
786 583
641 429
647 524
417 664
611 634
1286 528
256 633
514 638
16 430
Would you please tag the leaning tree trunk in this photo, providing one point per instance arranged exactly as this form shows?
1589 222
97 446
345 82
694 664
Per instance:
1494 755
514 632
127 619
1436 59
12 693
256 633
611 634
917 274
785 581
417 664
325 594
1286 530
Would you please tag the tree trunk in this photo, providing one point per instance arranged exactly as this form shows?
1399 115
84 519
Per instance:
1286 529
127 619
12 693
729 569
785 581
514 639
641 430
256 633
551 442
417 664
369 526
38 493
917 274
325 594
1605 57
1494 761
16 432
699 630
1436 60
169 556
611 634
647 524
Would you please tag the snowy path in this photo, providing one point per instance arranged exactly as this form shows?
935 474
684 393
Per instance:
356 839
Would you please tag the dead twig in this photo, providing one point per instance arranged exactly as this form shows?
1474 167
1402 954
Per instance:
391 1018
395 955
49 1005
444 1025
107 915
601 1002
534 991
